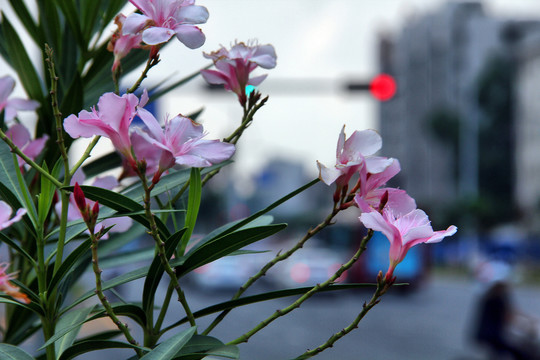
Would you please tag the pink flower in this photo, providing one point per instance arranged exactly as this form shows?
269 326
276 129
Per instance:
143 150
234 67
121 44
403 231
78 205
162 19
7 286
20 136
370 191
112 120
10 107
182 142
5 214
354 154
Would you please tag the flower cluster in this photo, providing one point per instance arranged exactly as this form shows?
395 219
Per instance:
388 210
234 67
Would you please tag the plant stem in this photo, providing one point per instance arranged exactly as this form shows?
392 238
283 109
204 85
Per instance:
151 62
271 263
85 155
160 245
103 299
382 287
307 295
164 308
29 161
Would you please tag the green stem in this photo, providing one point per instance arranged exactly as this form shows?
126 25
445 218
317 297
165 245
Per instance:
103 299
164 308
151 62
278 258
382 287
307 295
56 109
160 245
85 155
29 161
48 332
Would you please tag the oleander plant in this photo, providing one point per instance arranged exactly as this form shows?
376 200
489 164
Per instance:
62 213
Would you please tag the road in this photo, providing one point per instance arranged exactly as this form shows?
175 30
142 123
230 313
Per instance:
428 324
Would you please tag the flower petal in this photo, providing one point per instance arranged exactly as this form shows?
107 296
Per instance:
157 35
190 35
193 14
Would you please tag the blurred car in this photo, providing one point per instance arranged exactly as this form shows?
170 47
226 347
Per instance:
307 267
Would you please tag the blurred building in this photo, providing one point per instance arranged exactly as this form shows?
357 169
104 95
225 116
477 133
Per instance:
455 122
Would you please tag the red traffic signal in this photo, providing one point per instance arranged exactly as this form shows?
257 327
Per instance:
383 87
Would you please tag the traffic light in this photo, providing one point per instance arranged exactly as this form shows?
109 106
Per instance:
382 87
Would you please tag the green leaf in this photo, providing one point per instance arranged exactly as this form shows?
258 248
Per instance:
26 19
156 271
126 258
168 348
10 352
32 307
28 203
71 16
122 204
117 281
93 345
69 263
132 311
50 25
89 14
73 321
8 176
14 246
194 202
46 194
199 346
105 162
20 61
222 246
233 226
271 295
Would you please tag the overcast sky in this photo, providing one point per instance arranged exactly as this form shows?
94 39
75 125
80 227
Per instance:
325 41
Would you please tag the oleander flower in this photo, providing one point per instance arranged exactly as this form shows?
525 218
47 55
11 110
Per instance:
112 119
162 19
183 143
403 231
235 65
20 136
353 154
121 44
371 190
8 287
11 106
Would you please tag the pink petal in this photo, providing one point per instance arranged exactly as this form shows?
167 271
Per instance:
378 164
328 175
22 104
214 151
255 81
151 123
157 35
214 77
5 212
7 84
19 134
366 142
35 147
439 235
191 36
265 56
193 14
134 23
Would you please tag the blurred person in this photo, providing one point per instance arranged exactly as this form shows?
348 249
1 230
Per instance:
495 318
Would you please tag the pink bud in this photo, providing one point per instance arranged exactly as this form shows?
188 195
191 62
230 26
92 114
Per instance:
80 200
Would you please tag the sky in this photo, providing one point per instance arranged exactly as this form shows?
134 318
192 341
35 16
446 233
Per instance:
320 44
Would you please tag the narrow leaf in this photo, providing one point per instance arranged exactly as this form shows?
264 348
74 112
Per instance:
168 349
74 321
225 245
11 352
26 19
156 270
94 345
14 246
194 202
20 61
